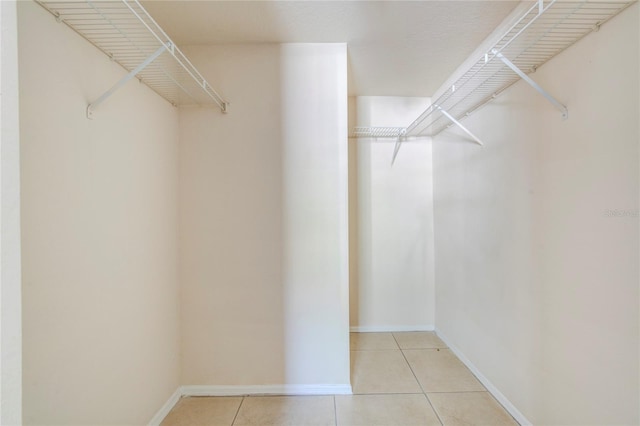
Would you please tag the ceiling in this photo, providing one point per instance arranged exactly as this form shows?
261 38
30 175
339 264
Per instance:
396 48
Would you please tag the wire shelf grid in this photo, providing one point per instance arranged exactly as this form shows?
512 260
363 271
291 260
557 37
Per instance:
544 30
377 132
126 33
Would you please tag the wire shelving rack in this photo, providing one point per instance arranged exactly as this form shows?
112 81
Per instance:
545 29
127 34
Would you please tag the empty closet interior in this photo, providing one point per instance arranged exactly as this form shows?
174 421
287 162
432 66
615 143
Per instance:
203 185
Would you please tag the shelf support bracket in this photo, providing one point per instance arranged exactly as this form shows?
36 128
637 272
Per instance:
525 77
93 105
396 148
459 124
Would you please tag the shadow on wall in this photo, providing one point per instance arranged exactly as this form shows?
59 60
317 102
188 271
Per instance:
264 220
391 221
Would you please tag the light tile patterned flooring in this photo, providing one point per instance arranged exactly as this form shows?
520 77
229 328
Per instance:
398 379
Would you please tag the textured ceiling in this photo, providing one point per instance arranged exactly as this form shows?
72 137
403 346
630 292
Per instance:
399 48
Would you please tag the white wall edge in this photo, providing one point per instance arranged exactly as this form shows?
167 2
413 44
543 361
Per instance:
389 328
493 390
166 408
11 388
232 390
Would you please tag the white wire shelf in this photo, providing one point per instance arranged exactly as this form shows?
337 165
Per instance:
126 33
377 132
544 30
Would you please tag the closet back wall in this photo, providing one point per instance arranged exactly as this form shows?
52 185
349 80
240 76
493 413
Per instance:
99 234
392 273
263 222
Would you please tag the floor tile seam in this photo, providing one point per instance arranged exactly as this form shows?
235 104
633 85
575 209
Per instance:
463 365
374 350
283 395
484 391
492 396
427 349
434 409
503 407
420 384
238 410
386 393
383 394
411 369
335 412
397 349
432 348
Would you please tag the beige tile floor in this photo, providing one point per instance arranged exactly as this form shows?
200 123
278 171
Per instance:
398 379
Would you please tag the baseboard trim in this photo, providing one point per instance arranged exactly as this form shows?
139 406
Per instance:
166 408
389 328
493 390
213 390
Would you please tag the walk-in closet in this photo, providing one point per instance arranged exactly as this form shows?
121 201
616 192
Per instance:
320 212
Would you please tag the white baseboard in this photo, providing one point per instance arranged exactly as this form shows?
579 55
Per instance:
389 328
493 390
164 410
213 390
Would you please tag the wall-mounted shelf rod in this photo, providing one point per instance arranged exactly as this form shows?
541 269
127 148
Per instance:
125 32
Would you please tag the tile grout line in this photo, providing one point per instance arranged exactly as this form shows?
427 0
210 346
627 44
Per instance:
502 406
237 411
421 392
484 388
416 377
388 393
434 409
408 364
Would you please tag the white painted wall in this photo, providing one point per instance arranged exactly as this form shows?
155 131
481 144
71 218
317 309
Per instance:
10 294
263 219
99 235
392 271
537 281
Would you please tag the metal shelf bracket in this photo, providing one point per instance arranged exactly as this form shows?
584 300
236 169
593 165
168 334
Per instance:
538 31
563 109
457 123
396 148
92 106
125 32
